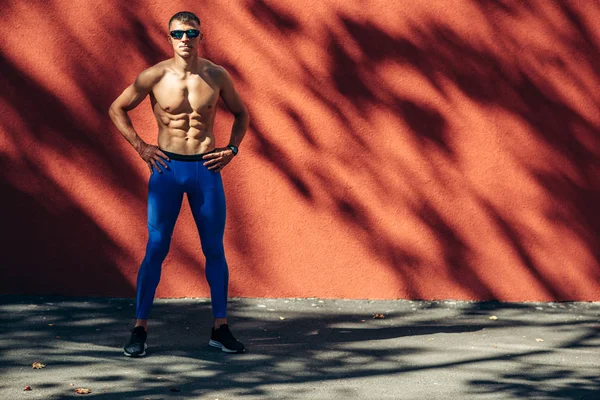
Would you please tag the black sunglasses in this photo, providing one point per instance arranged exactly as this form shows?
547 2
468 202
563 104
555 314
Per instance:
191 33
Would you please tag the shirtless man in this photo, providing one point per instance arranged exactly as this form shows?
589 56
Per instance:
184 91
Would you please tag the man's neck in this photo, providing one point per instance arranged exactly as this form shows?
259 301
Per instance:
186 64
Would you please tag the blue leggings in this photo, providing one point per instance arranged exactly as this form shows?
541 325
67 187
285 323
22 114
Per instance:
204 188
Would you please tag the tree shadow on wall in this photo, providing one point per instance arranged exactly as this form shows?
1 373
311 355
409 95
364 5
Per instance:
57 244
352 85
442 55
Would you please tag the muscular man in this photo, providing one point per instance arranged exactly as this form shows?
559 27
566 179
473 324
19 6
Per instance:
184 91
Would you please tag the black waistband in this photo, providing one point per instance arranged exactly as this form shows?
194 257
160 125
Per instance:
185 157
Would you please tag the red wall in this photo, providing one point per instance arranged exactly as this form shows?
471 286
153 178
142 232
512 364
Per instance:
407 149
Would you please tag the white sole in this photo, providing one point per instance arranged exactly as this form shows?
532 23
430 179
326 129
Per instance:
218 345
139 355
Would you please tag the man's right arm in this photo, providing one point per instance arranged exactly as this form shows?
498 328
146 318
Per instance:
131 97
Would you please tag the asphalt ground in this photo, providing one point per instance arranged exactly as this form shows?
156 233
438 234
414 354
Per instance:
302 349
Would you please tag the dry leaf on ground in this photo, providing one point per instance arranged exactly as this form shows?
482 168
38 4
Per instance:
83 391
38 365
378 316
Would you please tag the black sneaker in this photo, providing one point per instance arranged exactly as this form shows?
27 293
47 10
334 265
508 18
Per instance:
223 339
136 347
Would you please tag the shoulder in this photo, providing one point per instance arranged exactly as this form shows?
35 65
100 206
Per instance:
217 72
151 76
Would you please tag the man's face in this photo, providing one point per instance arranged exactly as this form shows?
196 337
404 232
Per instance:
184 46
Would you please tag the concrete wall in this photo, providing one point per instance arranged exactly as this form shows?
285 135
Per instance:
398 149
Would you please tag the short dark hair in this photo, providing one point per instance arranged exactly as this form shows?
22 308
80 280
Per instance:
184 16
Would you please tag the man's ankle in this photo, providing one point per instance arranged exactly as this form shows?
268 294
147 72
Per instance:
219 322
143 323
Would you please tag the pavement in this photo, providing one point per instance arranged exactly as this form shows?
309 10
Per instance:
302 349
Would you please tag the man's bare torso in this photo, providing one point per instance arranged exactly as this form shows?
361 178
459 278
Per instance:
185 104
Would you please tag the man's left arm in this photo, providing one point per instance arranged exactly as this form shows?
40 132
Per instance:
222 156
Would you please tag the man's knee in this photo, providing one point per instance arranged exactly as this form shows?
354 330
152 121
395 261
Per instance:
159 237
158 243
214 250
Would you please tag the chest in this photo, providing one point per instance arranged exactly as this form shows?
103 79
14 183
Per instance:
176 94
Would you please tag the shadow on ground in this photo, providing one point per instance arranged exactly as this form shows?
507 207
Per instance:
301 348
